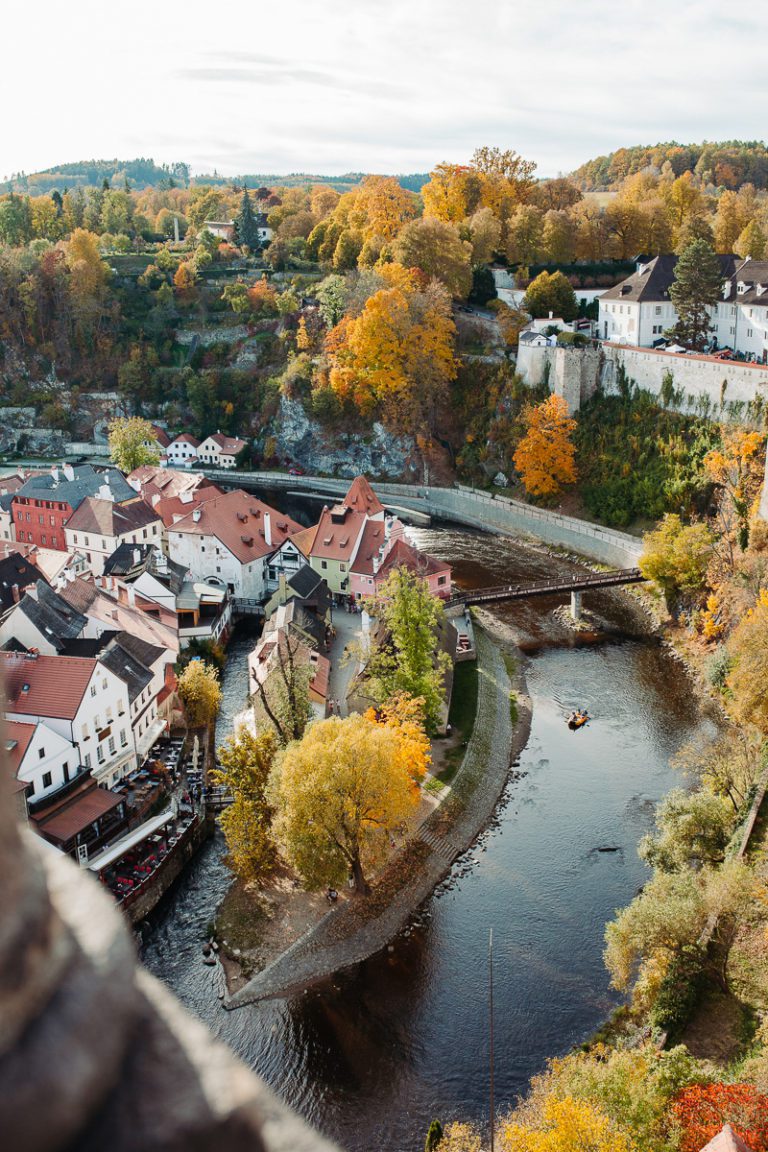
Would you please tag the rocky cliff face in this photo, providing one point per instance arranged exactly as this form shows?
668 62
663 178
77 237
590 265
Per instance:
305 442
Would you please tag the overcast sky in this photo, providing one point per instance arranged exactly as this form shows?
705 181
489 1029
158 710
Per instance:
331 86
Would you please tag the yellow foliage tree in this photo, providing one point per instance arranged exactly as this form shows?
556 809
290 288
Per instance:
566 1125
748 678
546 457
200 693
246 760
340 791
132 442
732 468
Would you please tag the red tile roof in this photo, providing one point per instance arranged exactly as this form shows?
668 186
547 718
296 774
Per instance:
56 684
403 555
150 480
18 733
370 548
110 519
161 436
362 498
174 508
185 438
238 520
227 445
337 534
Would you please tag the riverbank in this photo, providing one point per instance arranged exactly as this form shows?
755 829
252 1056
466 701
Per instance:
361 926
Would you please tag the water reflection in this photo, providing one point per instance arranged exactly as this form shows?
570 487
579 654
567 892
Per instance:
403 1038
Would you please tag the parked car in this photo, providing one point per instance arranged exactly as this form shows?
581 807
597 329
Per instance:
295 470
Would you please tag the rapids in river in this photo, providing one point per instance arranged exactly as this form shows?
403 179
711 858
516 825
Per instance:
403 1038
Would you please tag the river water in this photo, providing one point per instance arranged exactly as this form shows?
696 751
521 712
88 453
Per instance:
404 1037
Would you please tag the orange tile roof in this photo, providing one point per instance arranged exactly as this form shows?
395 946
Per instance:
56 684
110 519
362 498
238 520
151 480
228 445
304 540
336 539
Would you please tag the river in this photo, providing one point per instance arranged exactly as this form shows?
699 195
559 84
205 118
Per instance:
403 1038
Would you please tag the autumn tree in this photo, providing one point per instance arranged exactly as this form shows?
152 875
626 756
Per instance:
483 231
751 242
566 1125
408 657
397 356
132 443
245 761
200 693
697 285
728 766
438 251
676 556
338 793
735 467
702 1110
282 696
452 193
551 293
546 456
693 828
667 916
525 235
747 679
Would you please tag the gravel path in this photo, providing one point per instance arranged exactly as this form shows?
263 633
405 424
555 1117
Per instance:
363 926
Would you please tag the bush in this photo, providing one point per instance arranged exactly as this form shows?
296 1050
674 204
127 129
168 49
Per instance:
679 992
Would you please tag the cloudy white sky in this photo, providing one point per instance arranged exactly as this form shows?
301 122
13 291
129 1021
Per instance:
331 86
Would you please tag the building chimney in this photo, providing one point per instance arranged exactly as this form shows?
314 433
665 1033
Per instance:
104 492
15 593
186 497
131 596
137 555
196 515
268 529
55 474
69 472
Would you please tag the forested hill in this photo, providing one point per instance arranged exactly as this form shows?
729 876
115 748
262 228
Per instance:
143 173
727 164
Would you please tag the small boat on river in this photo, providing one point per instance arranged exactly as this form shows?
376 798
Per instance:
577 720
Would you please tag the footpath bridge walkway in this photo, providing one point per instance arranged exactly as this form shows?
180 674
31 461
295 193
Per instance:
573 584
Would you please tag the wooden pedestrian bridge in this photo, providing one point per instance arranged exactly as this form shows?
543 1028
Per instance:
575 585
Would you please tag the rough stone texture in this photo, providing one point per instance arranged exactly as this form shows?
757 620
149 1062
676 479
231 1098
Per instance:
95 1054
575 374
354 931
306 442
206 337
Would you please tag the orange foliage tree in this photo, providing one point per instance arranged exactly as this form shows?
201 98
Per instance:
701 1111
397 357
545 457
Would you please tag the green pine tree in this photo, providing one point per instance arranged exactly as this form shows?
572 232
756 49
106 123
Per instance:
246 228
696 287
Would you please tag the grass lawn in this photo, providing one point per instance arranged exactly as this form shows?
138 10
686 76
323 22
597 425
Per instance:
461 717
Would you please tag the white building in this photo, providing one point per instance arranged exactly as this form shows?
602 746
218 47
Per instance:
182 452
98 527
639 311
219 451
81 700
227 541
40 757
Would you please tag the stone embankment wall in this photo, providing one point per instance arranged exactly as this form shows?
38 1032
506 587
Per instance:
701 378
474 508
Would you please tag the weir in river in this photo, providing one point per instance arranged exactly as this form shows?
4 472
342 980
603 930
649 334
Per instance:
373 1056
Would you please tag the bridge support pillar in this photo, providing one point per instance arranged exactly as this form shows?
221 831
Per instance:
576 606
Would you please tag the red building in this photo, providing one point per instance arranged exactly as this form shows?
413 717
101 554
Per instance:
44 504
